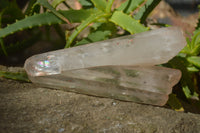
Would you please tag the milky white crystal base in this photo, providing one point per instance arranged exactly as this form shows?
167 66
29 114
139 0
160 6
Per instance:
149 85
144 49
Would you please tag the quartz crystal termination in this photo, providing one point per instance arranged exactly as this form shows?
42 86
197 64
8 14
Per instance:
121 68
144 49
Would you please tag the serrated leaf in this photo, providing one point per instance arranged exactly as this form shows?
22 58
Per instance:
146 10
46 18
100 4
127 22
195 60
130 5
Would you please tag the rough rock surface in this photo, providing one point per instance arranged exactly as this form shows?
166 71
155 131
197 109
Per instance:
25 108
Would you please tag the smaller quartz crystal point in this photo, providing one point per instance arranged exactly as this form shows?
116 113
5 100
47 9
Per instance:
121 68
149 85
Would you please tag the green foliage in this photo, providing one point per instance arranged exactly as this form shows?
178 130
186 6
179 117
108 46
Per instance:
86 4
130 5
94 17
95 36
46 18
146 10
188 61
175 103
101 13
100 4
194 60
193 47
127 22
20 76
55 3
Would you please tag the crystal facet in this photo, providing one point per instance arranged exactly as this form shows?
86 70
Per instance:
121 68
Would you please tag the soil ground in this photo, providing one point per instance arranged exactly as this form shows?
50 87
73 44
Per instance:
25 107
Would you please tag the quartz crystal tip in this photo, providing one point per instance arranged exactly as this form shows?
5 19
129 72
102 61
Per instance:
40 65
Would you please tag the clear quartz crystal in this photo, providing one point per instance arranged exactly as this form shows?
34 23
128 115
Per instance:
149 85
121 68
143 49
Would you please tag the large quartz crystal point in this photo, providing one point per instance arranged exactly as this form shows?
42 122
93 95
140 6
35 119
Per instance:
149 85
143 49
121 68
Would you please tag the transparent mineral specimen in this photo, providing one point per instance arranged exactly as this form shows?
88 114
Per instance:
149 85
121 68
144 49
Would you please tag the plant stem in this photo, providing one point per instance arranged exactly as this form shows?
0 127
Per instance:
83 25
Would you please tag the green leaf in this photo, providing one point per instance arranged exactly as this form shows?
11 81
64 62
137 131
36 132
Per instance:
127 22
3 47
86 3
195 43
100 4
55 3
146 10
46 4
46 18
94 37
174 103
130 5
15 76
193 47
186 50
30 6
94 17
192 69
187 83
109 6
195 60
187 92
